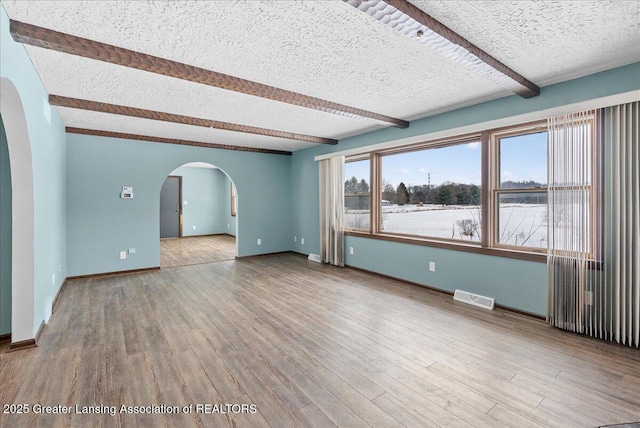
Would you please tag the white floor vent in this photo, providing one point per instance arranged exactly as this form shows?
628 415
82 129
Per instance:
474 299
315 258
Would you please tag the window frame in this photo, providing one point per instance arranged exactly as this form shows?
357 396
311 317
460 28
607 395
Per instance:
359 158
490 191
596 192
234 200
423 146
495 189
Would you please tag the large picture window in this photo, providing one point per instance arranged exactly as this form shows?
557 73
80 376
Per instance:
234 200
485 193
433 192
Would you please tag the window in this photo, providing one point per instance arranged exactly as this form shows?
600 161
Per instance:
520 188
357 194
485 193
433 191
573 192
234 201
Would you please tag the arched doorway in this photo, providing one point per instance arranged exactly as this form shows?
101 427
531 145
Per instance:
198 216
22 213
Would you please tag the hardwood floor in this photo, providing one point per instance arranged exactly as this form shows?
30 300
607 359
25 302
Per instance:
193 250
308 345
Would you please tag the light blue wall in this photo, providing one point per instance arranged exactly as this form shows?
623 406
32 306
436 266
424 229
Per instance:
305 201
5 234
100 224
48 161
481 274
514 283
204 190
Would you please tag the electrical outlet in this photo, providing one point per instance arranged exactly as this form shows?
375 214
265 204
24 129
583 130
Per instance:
432 266
194 227
185 203
295 239
123 255
132 250
350 250
228 226
302 241
259 241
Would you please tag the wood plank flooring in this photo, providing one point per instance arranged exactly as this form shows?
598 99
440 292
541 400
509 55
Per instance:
193 250
308 345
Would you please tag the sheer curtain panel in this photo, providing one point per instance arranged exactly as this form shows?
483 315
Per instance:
332 210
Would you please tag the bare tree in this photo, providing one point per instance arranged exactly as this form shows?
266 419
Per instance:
521 236
467 228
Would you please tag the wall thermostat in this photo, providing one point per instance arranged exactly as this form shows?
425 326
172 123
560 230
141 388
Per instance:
127 193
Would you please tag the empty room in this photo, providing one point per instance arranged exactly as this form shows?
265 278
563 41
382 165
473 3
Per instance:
320 213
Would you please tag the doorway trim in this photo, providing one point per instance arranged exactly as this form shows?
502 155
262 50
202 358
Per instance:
212 165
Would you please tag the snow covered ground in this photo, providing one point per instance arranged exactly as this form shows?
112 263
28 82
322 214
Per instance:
520 224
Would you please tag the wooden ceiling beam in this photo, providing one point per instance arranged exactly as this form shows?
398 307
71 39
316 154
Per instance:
67 43
414 22
57 100
72 130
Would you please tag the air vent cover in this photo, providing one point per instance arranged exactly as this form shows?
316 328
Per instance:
315 258
474 299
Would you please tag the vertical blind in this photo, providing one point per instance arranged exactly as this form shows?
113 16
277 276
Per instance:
594 223
619 319
573 241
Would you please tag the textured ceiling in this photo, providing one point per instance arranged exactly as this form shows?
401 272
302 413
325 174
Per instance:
161 93
154 128
325 49
547 41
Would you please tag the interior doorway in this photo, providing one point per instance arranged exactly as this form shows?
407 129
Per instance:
198 216
171 208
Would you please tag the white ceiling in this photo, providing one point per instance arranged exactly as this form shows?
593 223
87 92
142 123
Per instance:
325 49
